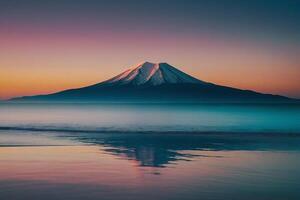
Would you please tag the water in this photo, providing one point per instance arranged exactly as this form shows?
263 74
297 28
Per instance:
282 118
149 151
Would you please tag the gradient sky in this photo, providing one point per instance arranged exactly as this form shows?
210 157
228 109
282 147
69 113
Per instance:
48 46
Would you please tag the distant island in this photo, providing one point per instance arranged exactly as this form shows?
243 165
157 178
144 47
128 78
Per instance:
157 82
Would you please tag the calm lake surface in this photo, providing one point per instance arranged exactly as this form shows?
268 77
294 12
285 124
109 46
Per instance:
149 151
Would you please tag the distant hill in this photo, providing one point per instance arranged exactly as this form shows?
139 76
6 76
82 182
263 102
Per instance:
157 82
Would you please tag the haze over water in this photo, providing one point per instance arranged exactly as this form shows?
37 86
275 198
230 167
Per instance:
149 151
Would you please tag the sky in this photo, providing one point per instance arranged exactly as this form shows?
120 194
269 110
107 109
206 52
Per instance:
51 45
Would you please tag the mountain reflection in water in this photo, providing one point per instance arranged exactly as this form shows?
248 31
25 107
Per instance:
161 149
59 165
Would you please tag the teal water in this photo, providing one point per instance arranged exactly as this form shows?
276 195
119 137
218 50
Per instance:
276 118
149 151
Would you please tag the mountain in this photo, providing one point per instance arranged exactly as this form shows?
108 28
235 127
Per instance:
157 82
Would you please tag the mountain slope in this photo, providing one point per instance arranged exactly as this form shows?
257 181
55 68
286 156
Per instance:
157 82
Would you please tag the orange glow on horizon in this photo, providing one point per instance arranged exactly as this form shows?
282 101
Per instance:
52 63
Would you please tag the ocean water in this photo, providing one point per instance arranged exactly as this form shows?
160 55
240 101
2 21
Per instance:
149 151
277 118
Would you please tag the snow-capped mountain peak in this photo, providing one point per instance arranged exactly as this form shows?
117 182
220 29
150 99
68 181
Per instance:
157 82
152 74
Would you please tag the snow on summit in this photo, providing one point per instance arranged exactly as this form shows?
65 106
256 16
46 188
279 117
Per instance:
152 74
